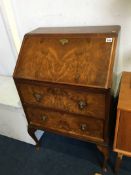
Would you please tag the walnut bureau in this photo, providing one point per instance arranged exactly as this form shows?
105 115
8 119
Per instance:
64 77
122 141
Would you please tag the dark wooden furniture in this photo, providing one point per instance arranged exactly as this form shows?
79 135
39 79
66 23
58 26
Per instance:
122 141
64 79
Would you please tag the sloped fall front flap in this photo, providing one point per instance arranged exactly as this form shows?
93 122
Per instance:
70 59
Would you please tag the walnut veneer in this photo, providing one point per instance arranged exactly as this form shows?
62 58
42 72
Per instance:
64 77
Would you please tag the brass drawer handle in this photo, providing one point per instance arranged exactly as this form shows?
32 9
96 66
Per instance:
82 104
44 118
37 96
63 41
83 127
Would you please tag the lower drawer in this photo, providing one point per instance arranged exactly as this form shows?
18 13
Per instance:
77 126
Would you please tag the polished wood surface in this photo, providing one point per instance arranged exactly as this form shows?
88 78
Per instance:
69 100
124 134
80 126
73 62
64 77
111 30
125 92
122 140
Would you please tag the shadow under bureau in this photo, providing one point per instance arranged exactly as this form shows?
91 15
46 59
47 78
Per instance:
64 77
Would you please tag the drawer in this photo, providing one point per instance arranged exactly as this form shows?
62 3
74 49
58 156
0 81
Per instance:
79 126
123 140
69 100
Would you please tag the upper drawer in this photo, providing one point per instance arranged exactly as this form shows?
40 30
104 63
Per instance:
80 102
73 60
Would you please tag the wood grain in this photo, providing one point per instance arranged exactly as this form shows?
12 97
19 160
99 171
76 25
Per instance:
125 92
124 134
67 100
122 140
80 61
66 123
64 78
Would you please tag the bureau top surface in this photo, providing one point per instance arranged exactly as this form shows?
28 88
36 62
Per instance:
124 102
78 30
73 55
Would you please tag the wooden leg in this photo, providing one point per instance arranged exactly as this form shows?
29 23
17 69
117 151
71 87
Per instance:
105 152
118 162
31 132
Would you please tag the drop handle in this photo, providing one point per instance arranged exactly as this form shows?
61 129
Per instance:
44 117
82 104
83 127
38 96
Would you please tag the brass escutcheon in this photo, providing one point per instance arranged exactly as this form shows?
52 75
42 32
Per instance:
63 41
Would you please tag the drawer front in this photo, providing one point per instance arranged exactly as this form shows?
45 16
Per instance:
65 123
75 60
69 100
123 141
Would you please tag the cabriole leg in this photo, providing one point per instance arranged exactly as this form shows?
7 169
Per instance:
31 132
105 152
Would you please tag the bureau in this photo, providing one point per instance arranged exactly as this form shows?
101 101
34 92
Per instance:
122 141
64 77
